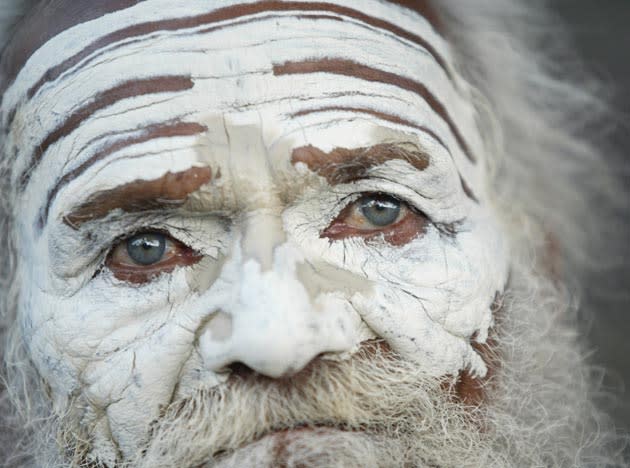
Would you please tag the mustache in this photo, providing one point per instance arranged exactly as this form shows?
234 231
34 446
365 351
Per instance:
374 392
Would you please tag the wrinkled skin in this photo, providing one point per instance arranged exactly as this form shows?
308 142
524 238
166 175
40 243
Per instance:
250 193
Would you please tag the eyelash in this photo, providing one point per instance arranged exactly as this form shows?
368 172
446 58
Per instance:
377 215
141 274
137 273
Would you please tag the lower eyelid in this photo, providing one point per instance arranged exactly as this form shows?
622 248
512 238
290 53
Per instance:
176 254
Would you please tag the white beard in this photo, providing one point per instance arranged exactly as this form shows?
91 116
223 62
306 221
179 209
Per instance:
374 409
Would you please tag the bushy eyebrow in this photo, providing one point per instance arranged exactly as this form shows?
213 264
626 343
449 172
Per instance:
167 192
344 165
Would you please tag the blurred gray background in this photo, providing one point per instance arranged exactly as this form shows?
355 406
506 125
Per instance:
601 33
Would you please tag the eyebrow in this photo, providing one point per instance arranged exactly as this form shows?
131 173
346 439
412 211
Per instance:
167 192
344 165
151 132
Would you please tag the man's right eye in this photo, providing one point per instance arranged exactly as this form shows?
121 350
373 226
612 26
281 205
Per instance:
143 256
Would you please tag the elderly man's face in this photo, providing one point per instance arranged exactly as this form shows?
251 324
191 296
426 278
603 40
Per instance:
216 192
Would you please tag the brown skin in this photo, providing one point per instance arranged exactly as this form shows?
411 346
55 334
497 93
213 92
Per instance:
52 17
134 88
402 232
472 390
45 21
341 166
424 8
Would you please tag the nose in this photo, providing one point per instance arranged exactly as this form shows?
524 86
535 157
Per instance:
273 322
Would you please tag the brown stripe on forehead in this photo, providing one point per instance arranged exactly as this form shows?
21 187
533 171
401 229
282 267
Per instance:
166 130
134 88
343 165
168 192
364 72
379 115
223 14
46 20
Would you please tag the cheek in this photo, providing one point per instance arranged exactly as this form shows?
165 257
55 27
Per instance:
432 294
100 326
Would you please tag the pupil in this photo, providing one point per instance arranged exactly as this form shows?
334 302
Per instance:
146 248
380 210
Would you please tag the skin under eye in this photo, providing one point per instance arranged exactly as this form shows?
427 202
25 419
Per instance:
377 214
141 257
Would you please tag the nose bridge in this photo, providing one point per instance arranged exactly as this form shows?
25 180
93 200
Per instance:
275 326
262 232
253 180
270 322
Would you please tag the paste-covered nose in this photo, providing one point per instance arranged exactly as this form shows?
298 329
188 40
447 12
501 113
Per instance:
272 324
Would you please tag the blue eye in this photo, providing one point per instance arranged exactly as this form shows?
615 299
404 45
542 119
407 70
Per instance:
146 248
380 210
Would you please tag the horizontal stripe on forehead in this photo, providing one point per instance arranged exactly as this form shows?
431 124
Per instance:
55 17
157 85
379 115
364 72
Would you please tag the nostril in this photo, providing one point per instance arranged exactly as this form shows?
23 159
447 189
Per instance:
240 370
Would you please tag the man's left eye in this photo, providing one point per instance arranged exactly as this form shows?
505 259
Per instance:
379 211
145 255
377 214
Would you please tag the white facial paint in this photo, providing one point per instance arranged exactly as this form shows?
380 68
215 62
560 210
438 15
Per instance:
262 295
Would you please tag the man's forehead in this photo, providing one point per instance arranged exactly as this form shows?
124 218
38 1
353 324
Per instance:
101 83
49 18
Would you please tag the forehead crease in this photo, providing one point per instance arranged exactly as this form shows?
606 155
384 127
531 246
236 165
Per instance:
45 21
53 17
101 101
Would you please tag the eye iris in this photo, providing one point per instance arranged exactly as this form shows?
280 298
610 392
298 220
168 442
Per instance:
380 210
146 249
